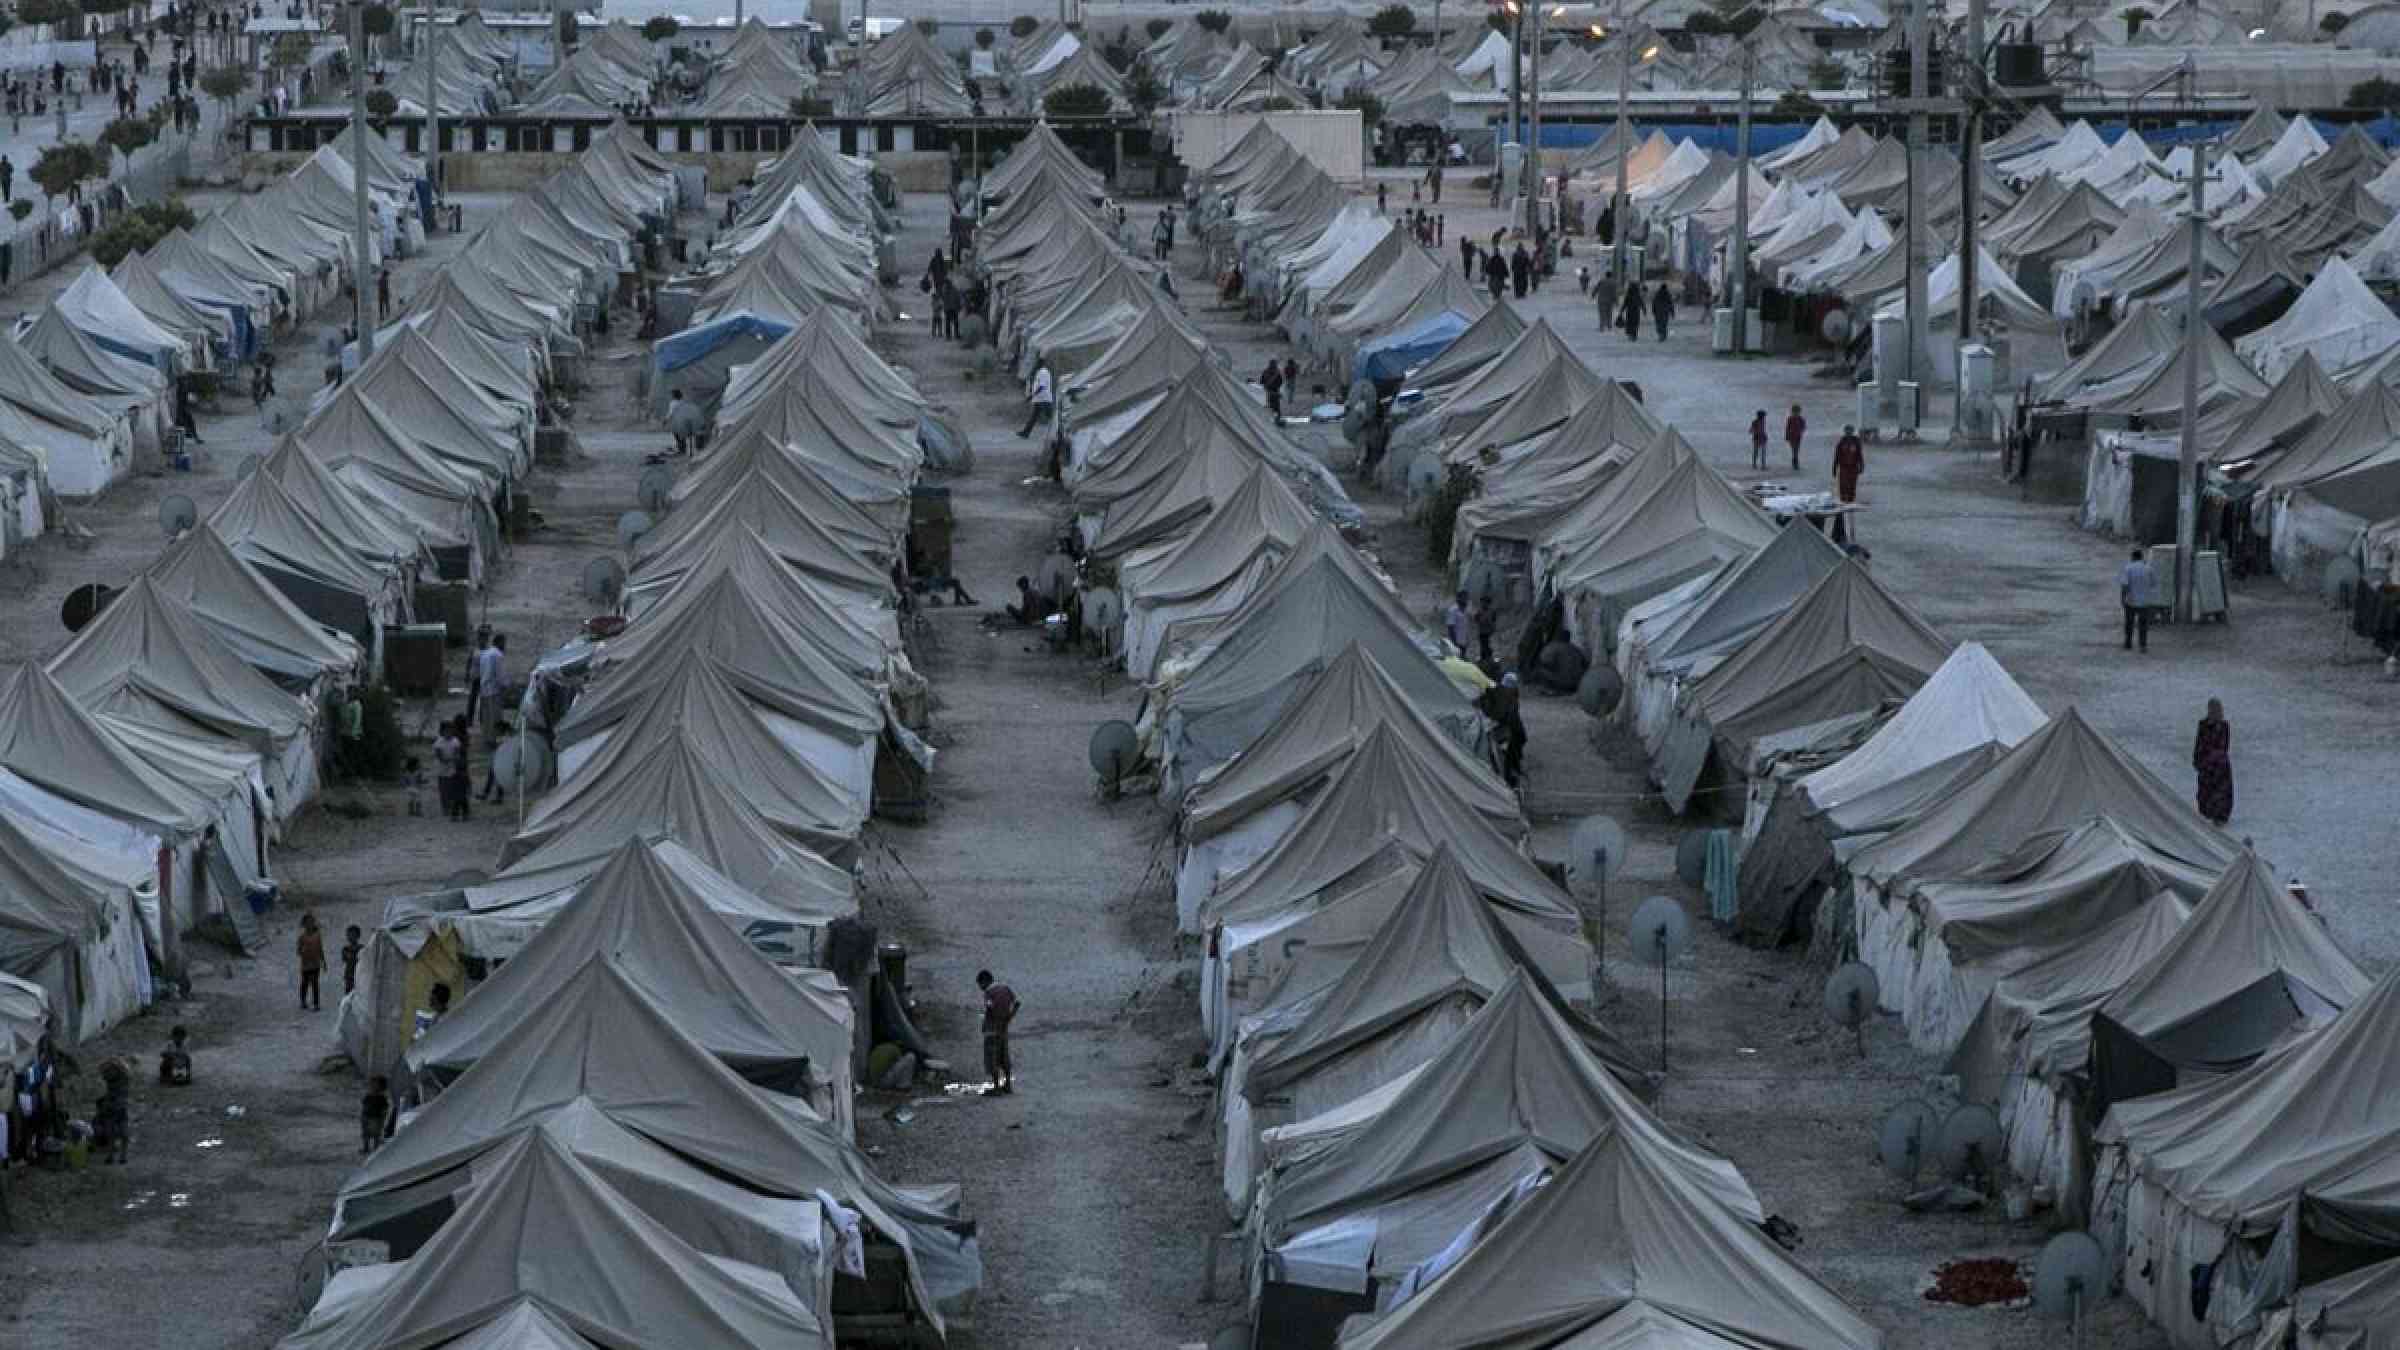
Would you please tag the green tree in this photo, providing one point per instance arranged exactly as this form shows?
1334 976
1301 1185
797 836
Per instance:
1393 21
1158 28
2378 95
1499 21
2333 24
65 164
984 38
63 13
928 27
1214 20
1077 100
138 230
1143 90
1278 104
291 50
1793 103
568 29
2134 19
661 27
1023 26
224 84
377 20
128 134
1705 22
1369 107
382 103
1826 75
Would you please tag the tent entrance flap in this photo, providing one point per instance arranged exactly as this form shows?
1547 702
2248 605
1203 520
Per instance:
232 923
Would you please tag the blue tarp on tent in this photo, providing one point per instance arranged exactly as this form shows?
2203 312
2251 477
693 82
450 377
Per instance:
692 344
1391 356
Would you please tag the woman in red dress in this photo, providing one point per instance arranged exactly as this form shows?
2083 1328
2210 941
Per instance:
2212 758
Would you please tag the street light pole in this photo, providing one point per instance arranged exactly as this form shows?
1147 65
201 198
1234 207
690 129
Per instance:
1533 146
1516 88
1738 286
433 109
1616 206
362 285
2187 459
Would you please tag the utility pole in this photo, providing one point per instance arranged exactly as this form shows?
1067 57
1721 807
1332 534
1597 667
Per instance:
2187 459
363 285
1738 284
433 109
1516 89
1533 144
1919 134
1616 205
1970 151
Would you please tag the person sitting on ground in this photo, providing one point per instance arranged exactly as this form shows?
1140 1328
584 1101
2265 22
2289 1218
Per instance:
1030 608
175 1062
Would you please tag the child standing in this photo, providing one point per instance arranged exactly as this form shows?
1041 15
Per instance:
311 947
352 945
374 1114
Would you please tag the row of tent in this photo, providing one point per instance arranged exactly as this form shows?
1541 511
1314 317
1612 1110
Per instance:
1415 1122
151 764
2159 1025
652 1049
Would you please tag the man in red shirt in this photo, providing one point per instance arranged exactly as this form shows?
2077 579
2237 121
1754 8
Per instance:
1849 461
999 1009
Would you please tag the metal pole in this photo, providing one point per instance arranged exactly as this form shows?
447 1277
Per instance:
1533 145
2187 490
1516 82
362 284
1919 134
1616 205
1969 157
1738 286
433 112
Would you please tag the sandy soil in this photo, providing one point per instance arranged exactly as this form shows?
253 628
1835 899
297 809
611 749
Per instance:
1094 1184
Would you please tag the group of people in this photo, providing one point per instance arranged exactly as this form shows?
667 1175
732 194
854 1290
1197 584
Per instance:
453 748
947 298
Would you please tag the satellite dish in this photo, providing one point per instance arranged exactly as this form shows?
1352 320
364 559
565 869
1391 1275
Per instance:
1836 326
1055 577
177 514
1903 1139
248 466
1661 932
2341 580
1596 853
1115 750
1691 857
1425 474
459 881
1486 580
655 489
1850 994
1968 1143
2070 1275
83 604
603 580
522 760
1103 610
1600 690
631 527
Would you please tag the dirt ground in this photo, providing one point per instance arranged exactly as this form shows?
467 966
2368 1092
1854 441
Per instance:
1094 1185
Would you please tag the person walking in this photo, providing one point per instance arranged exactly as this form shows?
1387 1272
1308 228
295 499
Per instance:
311 946
1040 397
683 422
1604 298
1487 622
1849 461
1629 315
449 768
8 180
1433 181
1458 623
1758 441
2212 760
1380 190
2137 591
491 673
1000 1008
1662 309
1466 256
1271 380
1520 271
1503 704
1162 235
1794 427
1495 274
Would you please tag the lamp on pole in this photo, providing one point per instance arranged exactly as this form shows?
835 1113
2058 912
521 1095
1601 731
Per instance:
1616 207
362 285
433 113
1516 89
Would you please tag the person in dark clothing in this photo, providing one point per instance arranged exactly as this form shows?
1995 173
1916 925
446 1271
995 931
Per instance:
374 1114
1629 316
2137 592
2212 760
1849 461
1794 427
1000 1008
353 946
1495 274
1487 621
1502 704
1608 226
1029 608
1662 309
1466 256
8 180
1271 380
1520 271
311 946
1374 438
1758 440
1291 376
